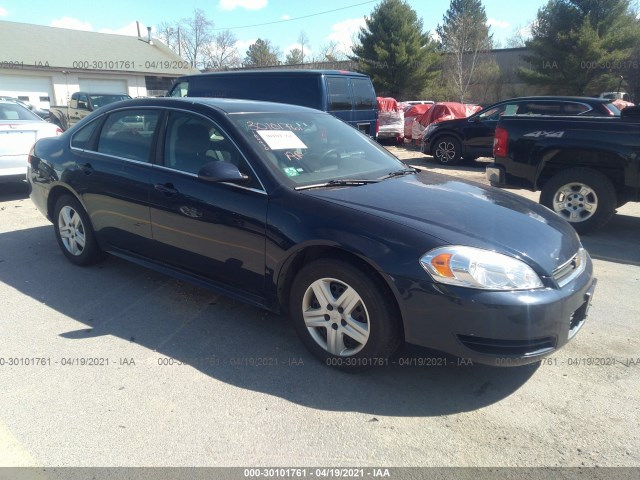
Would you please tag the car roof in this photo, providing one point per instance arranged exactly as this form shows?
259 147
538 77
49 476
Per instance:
13 101
91 94
559 98
274 72
223 105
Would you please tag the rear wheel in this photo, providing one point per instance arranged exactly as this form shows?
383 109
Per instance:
342 316
584 197
447 151
74 232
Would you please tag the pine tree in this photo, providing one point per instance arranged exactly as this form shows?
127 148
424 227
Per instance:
294 57
261 54
466 41
395 52
580 46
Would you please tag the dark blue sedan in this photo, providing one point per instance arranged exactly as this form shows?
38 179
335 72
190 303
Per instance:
290 209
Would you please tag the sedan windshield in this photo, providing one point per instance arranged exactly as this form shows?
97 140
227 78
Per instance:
315 149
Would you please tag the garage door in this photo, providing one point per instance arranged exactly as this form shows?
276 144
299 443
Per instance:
100 85
35 90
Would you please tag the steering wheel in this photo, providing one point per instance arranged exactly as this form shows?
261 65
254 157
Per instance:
325 155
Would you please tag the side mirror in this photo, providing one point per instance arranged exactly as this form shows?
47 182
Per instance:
475 119
82 105
217 172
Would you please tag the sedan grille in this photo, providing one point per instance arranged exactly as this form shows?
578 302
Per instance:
569 270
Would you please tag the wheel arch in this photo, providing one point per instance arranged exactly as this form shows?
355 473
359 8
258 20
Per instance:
607 163
309 253
55 193
446 133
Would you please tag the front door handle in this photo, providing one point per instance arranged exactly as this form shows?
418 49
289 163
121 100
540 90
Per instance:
166 188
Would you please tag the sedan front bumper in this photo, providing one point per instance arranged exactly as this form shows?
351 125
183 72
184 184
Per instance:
497 328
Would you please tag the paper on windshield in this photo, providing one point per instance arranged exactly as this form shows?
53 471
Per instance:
281 139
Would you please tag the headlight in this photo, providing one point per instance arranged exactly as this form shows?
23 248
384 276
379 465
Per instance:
477 268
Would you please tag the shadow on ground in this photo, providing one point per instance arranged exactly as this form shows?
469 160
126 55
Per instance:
225 339
13 191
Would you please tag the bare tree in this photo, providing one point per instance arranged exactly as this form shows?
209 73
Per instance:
303 40
331 53
168 34
195 34
465 39
518 37
222 53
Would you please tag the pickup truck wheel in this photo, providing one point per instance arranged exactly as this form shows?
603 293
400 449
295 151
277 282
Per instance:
584 197
447 151
343 316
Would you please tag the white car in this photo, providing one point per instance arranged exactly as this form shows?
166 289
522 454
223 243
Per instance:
19 130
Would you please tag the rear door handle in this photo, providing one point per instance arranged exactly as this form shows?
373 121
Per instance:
166 188
86 168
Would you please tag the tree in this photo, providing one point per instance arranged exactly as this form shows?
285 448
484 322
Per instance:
168 34
330 53
294 57
222 52
466 41
518 38
195 34
395 52
261 54
302 40
579 45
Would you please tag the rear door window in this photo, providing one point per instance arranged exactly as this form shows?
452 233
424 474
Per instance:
363 94
339 93
82 138
129 134
540 108
575 108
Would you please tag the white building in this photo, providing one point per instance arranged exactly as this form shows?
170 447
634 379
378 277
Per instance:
45 65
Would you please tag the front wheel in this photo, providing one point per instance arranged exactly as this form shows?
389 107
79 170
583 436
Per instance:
74 232
447 151
584 197
342 316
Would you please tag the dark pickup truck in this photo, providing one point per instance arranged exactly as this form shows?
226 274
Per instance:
584 167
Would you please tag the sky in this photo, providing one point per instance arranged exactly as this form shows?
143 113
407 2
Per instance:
326 21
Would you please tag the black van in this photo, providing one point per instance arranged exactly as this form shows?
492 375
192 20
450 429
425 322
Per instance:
347 95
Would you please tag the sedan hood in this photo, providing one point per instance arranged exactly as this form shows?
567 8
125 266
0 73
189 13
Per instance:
465 213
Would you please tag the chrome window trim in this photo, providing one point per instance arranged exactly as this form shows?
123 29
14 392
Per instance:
167 109
193 175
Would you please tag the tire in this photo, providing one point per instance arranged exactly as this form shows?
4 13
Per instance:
366 332
74 232
447 151
582 196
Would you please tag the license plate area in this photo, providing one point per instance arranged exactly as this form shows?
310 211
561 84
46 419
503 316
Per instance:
580 315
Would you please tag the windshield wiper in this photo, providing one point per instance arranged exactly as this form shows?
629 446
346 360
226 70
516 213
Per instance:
400 173
347 182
